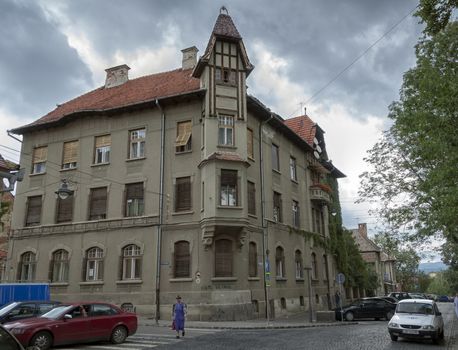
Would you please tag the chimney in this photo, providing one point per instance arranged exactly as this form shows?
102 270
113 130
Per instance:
116 76
189 57
362 229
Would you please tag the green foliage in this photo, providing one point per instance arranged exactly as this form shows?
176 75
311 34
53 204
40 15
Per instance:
440 284
4 208
435 14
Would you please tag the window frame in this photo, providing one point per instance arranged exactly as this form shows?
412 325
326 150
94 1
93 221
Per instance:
102 149
280 270
183 188
184 133
296 214
275 150
224 260
27 267
138 143
293 168
251 198
60 265
299 265
70 161
226 124
136 206
39 159
131 262
94 256
277 207
181 259
229 189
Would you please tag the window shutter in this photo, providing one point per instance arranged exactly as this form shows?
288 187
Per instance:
98 205
70 152
183 194
19 271
84 269
102 141
100 275
181 259
51 270
184 130
252 260
138 268
64 209
250 150
120 267
134 191
251 198
40 154
33 210
223 258
229 177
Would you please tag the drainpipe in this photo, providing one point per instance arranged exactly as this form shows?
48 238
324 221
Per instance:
263 215
161 214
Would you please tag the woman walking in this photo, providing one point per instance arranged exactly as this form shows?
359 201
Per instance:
178 316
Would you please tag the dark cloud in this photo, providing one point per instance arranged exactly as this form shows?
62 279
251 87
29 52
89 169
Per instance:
37 67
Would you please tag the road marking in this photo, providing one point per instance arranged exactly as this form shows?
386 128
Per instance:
145 341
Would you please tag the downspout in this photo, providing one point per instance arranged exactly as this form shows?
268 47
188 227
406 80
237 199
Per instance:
161 214
263 214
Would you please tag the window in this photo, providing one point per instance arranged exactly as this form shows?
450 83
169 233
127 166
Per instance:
225 75
93 265
252 260
70 155
134 199
296 219
183 194
64 209
131 262
299 265
251 198
40 155
26 268
183 142
98 203
226 63
102 149
314 267
182 260
277 207
59 266
318 220
275 157
280 263
33 216
223 258
228 187
250 144
226 130
292 168
325 268
137 143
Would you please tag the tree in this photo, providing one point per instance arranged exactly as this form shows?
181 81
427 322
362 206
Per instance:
435 14
439 285
413 173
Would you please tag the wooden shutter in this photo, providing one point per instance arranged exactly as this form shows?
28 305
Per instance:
84 268
182 259
34 205
184 130
102 141
70 152
51 269
183 194
64 209
138 267
250 150
121 265
19 271
223 258
251 198
98 203
134 191
228 177
252 260
40 154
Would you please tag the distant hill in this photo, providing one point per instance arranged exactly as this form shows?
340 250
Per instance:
432 267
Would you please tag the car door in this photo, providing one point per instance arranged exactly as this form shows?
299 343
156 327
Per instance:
438 320
72 330
368 309
102 319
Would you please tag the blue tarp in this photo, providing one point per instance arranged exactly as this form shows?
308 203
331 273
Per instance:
23 291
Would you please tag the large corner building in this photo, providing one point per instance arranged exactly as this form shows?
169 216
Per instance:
177 183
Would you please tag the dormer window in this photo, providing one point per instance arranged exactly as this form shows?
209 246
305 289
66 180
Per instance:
226 63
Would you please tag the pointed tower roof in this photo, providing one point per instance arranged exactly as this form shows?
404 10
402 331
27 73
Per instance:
224 29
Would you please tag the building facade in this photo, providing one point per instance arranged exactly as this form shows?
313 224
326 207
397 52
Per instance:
176 183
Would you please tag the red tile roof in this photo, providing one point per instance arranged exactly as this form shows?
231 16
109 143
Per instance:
6 165
132 92
225 27
303 126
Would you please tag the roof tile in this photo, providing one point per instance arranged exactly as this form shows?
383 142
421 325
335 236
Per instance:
303 126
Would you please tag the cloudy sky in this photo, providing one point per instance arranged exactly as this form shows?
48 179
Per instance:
52 51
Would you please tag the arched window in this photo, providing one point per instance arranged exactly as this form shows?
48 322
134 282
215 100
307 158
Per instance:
59 264
314 267
223 258
182 260
93 265
131 262
280 263
26 268
252 260
299 265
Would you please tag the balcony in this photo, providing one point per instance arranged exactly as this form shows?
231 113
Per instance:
320 193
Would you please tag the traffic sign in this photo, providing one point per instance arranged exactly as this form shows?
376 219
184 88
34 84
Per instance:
340 278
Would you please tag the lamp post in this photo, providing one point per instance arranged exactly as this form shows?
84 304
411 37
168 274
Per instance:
309 280
64 192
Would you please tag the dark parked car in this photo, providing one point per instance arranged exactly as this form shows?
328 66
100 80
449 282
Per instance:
366 308
444 299
400 295
390 299
75 323
19 310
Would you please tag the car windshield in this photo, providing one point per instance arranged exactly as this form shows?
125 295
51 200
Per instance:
8 307
57 311
415 308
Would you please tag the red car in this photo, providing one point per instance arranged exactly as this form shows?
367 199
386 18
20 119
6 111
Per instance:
75 323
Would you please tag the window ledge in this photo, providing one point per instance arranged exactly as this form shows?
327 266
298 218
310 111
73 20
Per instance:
99 164
184 212
229 207
280 279
184 152
294 181
91 283
58 284
300 280
276 171
129 282
37 174
227 146
251 159
224 279
134 159
253 278
184 279
68 169
254 216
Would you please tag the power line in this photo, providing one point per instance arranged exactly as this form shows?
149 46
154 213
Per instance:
337 76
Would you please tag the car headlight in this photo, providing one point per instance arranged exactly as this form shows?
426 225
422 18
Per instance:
428 327
393 325
17 330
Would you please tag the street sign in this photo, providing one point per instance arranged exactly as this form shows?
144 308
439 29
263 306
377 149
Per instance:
267 266
340 278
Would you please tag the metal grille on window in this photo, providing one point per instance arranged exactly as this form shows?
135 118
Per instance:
223 258
182 259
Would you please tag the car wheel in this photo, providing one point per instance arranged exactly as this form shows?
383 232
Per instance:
441 334
42 340
389 315
349 316
119 335
394 337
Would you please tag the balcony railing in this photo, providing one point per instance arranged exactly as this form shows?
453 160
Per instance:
317 193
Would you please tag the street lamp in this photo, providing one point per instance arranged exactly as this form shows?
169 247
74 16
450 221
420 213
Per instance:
64 192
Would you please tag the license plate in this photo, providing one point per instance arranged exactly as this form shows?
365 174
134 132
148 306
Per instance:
410 331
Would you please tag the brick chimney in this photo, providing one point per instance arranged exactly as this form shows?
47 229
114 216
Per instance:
362 229
189 57
116 76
